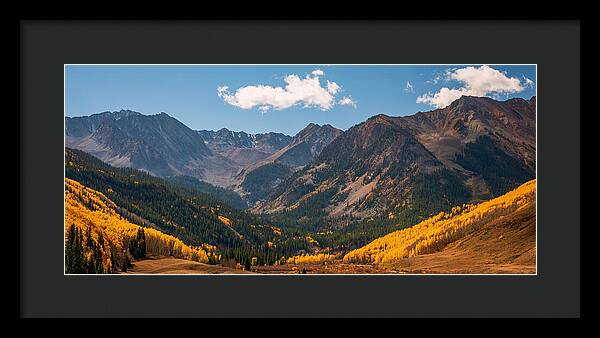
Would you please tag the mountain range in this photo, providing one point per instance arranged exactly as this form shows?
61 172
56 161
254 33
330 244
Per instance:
162 146
474 149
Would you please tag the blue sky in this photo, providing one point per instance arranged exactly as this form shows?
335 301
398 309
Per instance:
285 98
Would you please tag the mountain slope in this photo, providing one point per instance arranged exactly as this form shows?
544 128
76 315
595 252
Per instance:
497 235
493 139
109 234
226 196
506 245
474 149
158 144
181 211
305 146
259 179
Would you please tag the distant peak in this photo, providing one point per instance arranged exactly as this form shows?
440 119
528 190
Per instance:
313 130
379 118
127 112
162 114
467 99
314 127
116 114
470 98
272 133
469 102
123 113
380 115
309 127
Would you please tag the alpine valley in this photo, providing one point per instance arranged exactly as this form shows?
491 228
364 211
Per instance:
393 194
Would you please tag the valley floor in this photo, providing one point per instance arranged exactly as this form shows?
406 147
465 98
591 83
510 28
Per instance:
503 246
335 267
170 265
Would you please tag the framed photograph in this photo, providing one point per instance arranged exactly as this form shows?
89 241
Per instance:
249 171
288 174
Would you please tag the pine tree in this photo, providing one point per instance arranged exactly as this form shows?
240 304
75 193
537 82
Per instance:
126 263
137 246
70 250
97 254
74 257
94 263
141 242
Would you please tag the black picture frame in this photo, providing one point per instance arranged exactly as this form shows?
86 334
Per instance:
45 46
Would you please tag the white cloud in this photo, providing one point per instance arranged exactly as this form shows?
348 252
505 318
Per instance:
528 82
305 91
317 72
442 98
347 100
409 87
333 87
480 81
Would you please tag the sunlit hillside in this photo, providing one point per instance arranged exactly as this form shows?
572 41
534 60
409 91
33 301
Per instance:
437 232
109 236
311 259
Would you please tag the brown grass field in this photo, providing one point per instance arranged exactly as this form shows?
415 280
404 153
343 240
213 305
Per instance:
504 246
170 265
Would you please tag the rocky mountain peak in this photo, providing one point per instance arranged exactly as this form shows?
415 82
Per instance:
469 103
313 130
124 113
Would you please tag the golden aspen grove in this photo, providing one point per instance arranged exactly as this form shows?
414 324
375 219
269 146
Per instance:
434 233
89 209
311 259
